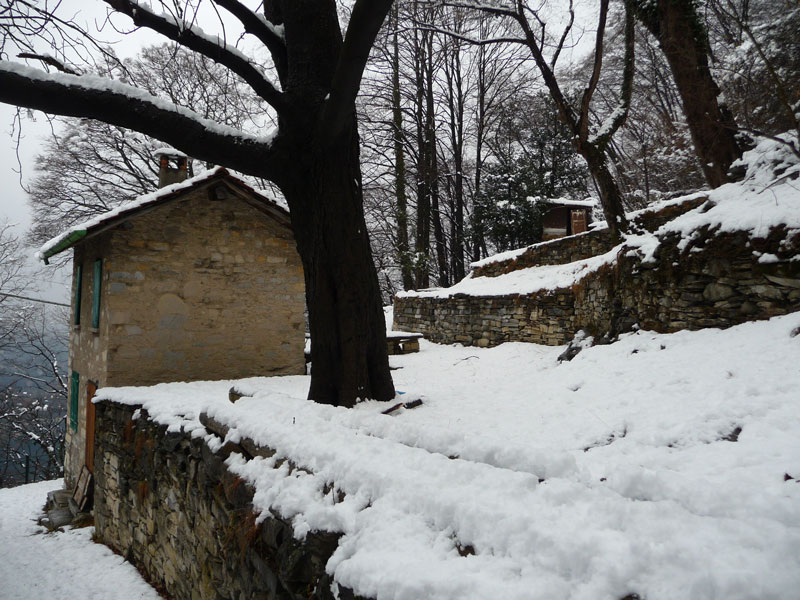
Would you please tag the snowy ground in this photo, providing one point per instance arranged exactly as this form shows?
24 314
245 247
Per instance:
662 465
520 477
37 566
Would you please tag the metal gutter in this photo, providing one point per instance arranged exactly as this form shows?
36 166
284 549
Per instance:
67 242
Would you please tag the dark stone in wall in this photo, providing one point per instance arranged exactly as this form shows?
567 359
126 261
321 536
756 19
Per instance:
169 505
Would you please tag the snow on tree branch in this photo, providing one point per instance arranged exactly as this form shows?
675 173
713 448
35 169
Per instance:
123 105
194 38
272 36
617 118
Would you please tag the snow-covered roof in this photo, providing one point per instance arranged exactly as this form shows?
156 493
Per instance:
588 203
77 232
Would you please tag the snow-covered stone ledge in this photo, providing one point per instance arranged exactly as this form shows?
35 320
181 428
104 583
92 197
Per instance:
583 246
166 501
710 280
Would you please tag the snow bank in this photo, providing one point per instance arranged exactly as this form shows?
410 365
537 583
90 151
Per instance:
521 477
35 565
521 281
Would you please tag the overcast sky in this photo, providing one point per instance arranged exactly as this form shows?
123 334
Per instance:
51 282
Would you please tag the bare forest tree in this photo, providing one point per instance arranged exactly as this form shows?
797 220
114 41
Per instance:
679 29
429 102
32 390
33 396
313 156
11 264
545 48
652 153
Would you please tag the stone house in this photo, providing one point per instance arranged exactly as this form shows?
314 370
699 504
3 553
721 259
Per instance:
199 280
565 217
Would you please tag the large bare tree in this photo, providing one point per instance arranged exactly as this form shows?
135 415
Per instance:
313 156
682 36
545 48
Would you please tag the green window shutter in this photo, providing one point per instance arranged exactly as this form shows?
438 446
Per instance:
73 401
78 285
98 272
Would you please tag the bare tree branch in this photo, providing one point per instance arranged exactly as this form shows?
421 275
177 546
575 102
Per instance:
258 26
217 50
564 35
588 92
365 21
618 117
48 60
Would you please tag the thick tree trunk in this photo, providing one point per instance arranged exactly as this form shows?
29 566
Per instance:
348 335
320 176
676 26
609 190
422 238
313 158
455 101
432 167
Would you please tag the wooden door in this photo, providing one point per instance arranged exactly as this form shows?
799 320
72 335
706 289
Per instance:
91 388
578 220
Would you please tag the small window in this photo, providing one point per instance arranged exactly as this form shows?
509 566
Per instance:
73 401
78 286
98 272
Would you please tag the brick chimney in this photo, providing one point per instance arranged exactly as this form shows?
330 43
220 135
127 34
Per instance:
172 166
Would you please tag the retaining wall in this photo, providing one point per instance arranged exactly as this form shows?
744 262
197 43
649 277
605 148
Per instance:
168 504
716 280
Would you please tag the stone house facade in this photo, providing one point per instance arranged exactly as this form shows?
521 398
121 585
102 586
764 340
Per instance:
200 280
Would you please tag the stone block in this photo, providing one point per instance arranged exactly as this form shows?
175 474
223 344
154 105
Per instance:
714 292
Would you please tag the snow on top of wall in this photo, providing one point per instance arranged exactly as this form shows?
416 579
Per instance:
516 253
596 478
588 203
767 197
521 281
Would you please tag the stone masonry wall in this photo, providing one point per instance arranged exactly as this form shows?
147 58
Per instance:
546 318
584 245
88 352
715 281
203 289
168 504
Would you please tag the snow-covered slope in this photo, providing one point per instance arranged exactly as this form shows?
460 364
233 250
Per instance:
520 477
